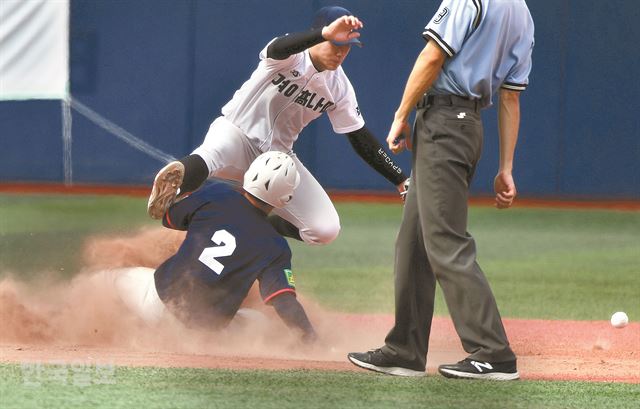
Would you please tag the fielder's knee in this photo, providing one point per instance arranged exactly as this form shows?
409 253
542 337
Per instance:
320 234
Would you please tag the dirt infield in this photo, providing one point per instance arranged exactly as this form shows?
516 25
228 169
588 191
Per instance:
82 323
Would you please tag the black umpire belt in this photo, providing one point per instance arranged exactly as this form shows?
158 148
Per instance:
449 100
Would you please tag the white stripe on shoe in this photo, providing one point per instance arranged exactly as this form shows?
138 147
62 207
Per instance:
495 376
391 370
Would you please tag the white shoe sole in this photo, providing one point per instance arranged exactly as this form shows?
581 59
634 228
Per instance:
391 370
494 376
165 186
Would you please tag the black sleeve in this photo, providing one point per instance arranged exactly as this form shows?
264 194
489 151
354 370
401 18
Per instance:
369 149
292 313
285 46
195 173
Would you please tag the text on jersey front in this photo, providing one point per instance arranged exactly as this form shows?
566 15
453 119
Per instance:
305 98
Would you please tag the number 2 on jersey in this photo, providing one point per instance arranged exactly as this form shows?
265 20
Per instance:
226 246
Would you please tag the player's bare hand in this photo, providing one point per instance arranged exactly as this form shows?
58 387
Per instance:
505 189
399 136
342 29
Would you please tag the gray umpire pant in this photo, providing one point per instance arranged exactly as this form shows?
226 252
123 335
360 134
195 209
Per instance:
433 242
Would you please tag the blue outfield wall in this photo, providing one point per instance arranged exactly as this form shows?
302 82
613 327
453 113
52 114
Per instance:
162 69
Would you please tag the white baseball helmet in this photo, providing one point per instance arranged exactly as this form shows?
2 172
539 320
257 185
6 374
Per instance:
272 177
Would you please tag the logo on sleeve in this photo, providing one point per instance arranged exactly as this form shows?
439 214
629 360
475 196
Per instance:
441 15
358 111
289 274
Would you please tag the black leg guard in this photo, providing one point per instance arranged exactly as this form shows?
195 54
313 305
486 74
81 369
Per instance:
284 227
195 173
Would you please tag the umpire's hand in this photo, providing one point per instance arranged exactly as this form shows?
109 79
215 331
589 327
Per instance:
399 136
505 189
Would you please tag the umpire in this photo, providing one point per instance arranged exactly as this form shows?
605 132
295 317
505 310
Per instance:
474 49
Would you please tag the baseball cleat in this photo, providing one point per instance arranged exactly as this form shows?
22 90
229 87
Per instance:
376 360
165 188
471 369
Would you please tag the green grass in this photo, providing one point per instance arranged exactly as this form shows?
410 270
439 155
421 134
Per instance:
200 388
44 233
542 263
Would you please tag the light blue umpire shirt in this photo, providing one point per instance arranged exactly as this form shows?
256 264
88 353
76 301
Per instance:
489 44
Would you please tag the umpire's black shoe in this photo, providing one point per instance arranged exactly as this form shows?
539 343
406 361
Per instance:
376 360
471 369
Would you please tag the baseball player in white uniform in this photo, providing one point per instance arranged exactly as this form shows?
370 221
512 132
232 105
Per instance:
299 78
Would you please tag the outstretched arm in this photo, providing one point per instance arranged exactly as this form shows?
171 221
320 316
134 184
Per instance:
293 314
342 29
508 126
370 150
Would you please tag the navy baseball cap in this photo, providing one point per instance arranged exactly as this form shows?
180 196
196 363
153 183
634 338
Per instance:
328 15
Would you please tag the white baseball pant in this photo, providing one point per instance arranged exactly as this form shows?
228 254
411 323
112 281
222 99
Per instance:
228 152
136 288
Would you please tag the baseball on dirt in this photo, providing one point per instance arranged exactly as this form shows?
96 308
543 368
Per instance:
619 320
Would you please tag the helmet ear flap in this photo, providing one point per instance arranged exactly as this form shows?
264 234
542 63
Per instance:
286 198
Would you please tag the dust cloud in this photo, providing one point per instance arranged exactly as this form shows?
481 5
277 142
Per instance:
87 311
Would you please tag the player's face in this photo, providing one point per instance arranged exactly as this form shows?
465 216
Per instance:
328 56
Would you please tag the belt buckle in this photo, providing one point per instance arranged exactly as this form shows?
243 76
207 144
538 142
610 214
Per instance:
428 100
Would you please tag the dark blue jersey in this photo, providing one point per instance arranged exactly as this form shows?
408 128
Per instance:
229 245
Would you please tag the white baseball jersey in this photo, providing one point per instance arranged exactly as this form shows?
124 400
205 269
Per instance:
467 30
283 96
